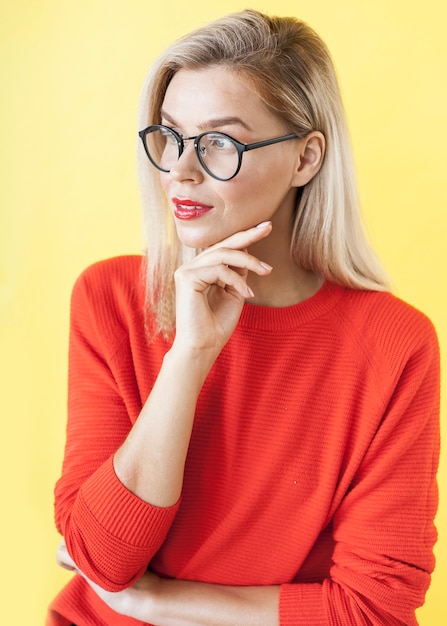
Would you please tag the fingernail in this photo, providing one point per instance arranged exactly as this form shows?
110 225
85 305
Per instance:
263 224
250 292
266 265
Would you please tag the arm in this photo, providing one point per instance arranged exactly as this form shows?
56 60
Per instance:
114 517
383 530
151 461
96 514
165 602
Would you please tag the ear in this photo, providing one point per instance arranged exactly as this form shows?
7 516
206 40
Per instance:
311 156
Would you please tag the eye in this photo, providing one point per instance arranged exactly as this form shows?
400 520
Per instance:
168 135
216 141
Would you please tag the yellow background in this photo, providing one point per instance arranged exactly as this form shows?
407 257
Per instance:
71 76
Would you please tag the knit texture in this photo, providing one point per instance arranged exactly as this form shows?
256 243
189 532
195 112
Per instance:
311 465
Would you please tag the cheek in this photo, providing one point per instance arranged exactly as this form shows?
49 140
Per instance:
239 197
164 182
262 187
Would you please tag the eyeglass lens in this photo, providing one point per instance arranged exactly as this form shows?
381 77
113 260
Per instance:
216 152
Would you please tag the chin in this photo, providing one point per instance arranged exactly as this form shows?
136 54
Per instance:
198 242
198 239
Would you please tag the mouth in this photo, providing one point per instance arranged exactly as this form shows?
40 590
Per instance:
186 209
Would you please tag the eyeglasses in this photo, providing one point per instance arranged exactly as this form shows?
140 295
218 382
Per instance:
219 154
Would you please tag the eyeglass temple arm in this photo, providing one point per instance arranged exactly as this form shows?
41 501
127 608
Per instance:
268 142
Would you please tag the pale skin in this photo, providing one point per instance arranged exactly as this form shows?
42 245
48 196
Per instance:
246 237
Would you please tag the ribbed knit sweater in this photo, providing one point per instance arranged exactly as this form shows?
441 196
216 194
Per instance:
311 465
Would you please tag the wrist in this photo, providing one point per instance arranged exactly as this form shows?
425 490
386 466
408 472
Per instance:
157 602
194 363
143 600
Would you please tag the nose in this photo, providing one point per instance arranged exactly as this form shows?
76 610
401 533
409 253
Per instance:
187 166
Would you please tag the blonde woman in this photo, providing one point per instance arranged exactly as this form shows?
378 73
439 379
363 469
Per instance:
253 418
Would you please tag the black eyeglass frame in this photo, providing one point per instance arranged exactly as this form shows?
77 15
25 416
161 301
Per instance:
240 147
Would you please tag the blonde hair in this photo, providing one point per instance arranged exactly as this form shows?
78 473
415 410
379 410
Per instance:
290 68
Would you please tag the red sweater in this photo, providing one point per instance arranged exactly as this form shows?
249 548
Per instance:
311 465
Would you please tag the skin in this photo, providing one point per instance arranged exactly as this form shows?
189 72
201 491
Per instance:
265 188
245 234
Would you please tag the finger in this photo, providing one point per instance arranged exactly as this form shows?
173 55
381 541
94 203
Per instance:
236 259
228 270
63 559
221 276
244 238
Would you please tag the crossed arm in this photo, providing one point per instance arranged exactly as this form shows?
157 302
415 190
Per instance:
164 602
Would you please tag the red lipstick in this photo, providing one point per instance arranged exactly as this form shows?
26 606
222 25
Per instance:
186 209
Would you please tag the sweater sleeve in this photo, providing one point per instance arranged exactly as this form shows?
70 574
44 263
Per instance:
383 529
110 533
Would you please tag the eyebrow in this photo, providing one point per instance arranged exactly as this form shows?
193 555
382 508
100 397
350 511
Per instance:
211 123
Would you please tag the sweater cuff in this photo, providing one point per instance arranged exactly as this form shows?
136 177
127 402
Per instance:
302 604
121 513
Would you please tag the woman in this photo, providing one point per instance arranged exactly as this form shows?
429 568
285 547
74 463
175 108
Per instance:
253 435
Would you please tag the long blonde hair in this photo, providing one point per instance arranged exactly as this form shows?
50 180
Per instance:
290 68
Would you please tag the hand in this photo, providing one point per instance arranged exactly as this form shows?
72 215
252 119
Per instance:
212 288
136 601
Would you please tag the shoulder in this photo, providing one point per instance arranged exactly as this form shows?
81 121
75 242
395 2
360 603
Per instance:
388 327
109 293
378 310
124 270
115 278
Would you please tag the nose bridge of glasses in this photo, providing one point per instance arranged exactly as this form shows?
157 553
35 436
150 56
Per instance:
184 141
187 155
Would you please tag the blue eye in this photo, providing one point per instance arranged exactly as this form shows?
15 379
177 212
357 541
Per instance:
168 135
217 141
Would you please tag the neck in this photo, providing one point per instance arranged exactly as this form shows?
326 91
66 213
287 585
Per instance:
281 289
287 284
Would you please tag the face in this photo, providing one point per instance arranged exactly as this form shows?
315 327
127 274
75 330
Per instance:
207 210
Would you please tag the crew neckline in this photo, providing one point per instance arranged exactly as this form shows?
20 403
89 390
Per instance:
284 318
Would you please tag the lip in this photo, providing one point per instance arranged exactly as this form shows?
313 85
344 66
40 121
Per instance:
187 209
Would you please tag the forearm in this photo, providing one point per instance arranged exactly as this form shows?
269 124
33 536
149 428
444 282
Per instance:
151 461
184 603
165 602
172 602
146 480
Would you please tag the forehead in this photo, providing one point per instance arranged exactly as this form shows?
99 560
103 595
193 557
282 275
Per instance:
214 93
